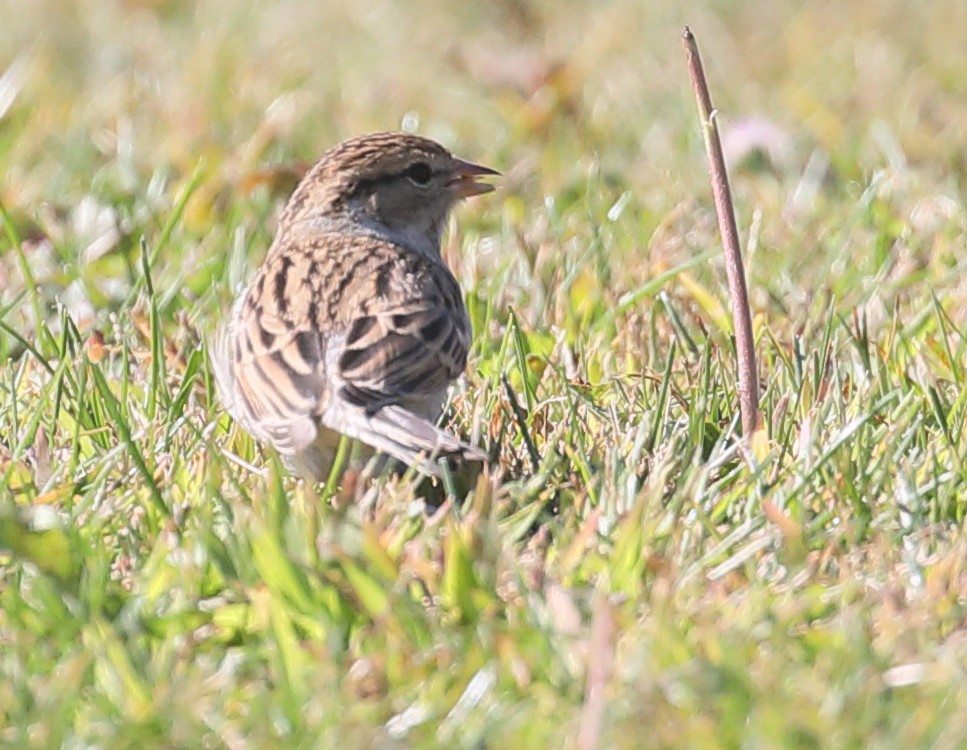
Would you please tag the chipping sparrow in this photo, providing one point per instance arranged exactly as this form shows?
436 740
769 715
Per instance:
354 324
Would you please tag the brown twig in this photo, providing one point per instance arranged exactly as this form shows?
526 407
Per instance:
722 195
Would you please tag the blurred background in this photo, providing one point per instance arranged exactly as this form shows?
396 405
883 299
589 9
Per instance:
158 589
111 112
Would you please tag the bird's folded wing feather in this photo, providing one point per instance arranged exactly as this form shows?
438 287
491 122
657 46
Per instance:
277 387
392 369
403 355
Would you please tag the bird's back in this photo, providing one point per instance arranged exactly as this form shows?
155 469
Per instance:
330 328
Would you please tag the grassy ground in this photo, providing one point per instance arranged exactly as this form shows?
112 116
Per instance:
628 577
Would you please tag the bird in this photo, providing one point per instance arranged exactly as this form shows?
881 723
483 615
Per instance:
354 325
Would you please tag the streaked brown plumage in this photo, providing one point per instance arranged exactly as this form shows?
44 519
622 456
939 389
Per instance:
354 324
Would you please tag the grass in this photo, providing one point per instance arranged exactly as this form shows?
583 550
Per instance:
629 575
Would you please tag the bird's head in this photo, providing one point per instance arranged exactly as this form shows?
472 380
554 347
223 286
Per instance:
398 182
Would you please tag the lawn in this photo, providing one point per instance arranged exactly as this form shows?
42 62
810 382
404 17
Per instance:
630 572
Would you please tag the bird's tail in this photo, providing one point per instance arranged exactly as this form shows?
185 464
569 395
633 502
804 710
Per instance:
409 438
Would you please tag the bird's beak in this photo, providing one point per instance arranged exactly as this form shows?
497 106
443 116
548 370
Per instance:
464 183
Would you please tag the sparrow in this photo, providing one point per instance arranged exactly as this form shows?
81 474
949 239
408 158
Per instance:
354 325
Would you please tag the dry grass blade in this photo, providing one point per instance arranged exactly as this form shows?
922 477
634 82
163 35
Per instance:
600 662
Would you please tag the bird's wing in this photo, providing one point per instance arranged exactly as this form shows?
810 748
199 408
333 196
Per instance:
402 355
392 366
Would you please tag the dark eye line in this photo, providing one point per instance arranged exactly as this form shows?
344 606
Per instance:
363 186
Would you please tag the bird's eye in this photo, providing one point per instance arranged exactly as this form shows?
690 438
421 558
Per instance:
419 173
